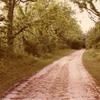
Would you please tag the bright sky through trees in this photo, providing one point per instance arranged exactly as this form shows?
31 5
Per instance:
83 17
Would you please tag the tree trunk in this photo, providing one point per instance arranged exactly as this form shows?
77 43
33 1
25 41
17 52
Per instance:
11 4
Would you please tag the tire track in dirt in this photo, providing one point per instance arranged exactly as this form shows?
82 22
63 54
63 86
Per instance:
81 85
65 79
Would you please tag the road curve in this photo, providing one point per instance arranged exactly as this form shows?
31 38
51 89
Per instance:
65 79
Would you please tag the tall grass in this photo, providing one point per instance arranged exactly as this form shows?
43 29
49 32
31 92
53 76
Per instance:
91 60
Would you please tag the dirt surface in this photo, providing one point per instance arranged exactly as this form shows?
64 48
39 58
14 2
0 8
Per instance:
65 79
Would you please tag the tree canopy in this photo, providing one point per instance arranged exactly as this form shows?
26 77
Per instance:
93 38
40 26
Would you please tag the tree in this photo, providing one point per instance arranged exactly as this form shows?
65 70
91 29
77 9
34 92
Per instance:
93 37
42 26
10 6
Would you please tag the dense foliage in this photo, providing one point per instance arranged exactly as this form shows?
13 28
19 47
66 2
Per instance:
40 27
93 38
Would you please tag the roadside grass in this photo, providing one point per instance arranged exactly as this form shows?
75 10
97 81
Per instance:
15 68
91 60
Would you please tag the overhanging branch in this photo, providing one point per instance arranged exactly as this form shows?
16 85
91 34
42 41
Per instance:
84 5
21 30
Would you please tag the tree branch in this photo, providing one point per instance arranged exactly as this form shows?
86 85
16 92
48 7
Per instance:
23 1
91 16
92 6
84 4
21 30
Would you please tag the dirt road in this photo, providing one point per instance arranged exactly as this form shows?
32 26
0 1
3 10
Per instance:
65 79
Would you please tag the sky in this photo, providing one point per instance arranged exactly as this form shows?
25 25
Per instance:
83 17
1 6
